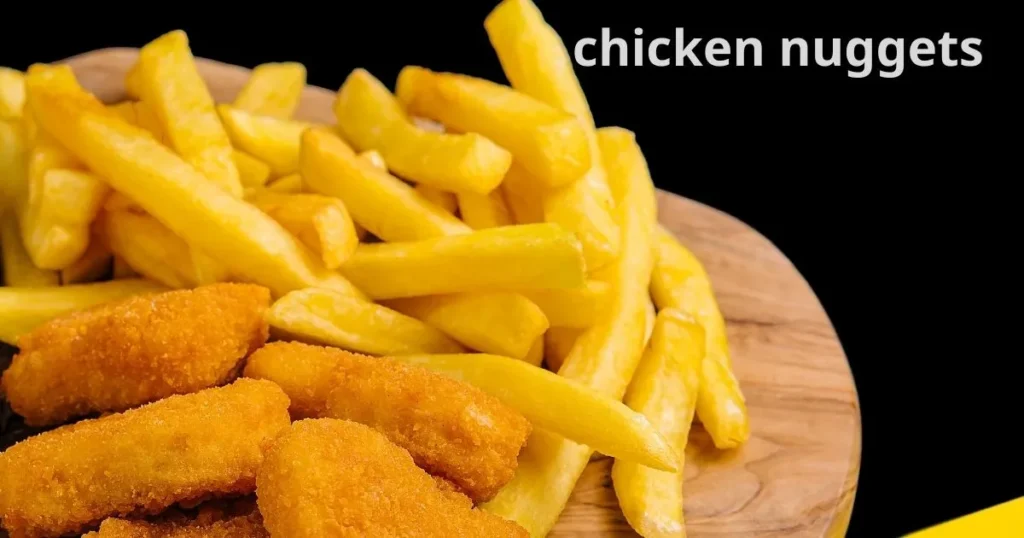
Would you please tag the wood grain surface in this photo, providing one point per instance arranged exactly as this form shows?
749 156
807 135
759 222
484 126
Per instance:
797 475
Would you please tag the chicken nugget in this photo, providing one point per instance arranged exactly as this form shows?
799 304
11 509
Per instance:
452 429
327 478
247 526
180 449
134 351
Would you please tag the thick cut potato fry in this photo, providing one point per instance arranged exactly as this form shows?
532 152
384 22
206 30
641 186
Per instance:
248 242
252 172
142 115
443 199
577 308
558 343
622 164
550 143
530 256
500 323
680 281
13 165
170 83
18 269
524 197
273 89
321 222
330 318
271 140
370 117
482 211
577 208
61 207
664 389
374 157
603 358
94 264
535 357
290 184
12 93
207 269
554 403
650 316
126 111
133 81
378 201
151 249
24 309
122 270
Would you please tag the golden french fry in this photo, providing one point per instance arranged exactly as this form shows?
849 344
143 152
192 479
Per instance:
529 256
535 357
335 319
133 81
126 111
13 165
577 208
680 281
12 93
18 269
550 143
273 89
271 140
603 358
554 403
147 118
122 270
500 323
94 264
525 199
370 117
622 162
664 389
151 249
374 157
24 309
558 343
290 184
249 243
378 201
650 314
61 207
321 222
443 199
207 269
252 172
577 308
481 211
169 82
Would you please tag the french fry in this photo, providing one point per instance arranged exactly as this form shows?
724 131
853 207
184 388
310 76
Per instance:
126 111
290 184
374 157
577 208
322 223
500 323
18 269
620 142
133 81
603 358
525 199
577 308
370 117
680 281
122 270
271 140
24 309
378 201
330 318
207 269
273 89
61 207
252 172
147 118
94 264
550 143
558 343
535 357
482 211
554 403
443 199
169 82
151 249
664 389
12 93
530 256
13 164
650 315
249 243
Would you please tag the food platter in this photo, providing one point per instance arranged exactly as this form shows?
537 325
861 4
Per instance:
797 474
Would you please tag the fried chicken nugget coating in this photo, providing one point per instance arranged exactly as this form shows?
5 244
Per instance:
451 429
180 449
247 526
330 478
134 351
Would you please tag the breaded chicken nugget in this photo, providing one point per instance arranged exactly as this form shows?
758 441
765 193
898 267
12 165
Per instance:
180 449
327 478
134 351
248 526
452 429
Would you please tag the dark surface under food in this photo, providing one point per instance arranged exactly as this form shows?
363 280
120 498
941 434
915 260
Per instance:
12 427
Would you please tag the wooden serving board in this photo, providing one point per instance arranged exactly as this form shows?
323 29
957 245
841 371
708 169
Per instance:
798 473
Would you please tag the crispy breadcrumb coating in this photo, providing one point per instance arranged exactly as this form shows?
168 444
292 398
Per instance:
134 351
326 478
451 428
179 449
248 526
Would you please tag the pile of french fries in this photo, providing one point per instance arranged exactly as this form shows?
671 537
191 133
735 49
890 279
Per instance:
449 216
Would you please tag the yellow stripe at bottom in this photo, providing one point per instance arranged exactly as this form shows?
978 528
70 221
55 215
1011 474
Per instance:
1001 521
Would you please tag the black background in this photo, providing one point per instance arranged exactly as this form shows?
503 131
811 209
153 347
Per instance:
846 176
